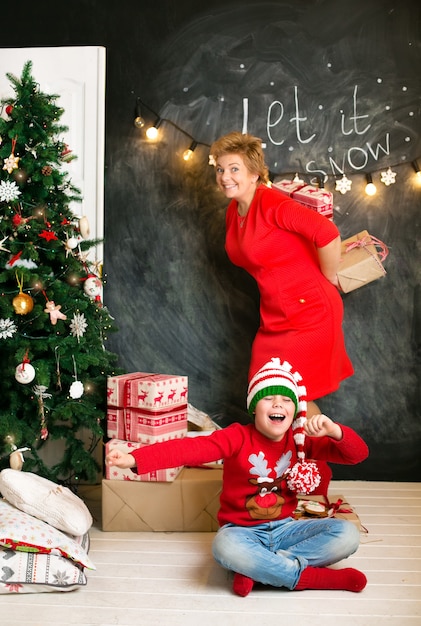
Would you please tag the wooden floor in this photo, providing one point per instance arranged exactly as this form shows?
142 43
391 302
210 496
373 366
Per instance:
170 579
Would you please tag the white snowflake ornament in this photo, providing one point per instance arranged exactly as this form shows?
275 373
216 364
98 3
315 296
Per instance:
7 328
8 191
388 177
343 184
78 325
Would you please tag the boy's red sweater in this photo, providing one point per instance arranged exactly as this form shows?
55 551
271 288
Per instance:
251 491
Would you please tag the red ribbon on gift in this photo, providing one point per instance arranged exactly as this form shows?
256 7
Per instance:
370 240
335 507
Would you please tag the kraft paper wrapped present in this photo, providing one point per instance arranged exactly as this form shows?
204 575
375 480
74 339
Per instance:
333 506
362 257
190 503
315 198
118 474
288 186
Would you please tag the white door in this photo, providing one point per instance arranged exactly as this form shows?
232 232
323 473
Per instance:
77 75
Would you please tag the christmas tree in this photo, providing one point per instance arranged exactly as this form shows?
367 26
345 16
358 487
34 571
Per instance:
53 325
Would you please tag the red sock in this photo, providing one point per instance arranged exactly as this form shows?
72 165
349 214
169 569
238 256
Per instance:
348 579
242 585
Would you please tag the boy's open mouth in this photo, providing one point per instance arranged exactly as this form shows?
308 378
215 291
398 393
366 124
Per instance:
277 417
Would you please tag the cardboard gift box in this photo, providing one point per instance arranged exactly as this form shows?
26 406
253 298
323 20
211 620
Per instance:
118 474
190 503
288 186
334 506
315 198
361 262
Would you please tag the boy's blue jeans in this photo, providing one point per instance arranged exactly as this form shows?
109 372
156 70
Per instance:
276 553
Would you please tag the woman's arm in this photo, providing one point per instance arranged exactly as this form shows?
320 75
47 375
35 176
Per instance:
329 259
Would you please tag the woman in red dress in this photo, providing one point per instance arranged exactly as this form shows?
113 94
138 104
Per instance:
293 253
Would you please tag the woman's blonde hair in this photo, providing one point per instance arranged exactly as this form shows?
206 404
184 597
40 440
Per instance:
249 147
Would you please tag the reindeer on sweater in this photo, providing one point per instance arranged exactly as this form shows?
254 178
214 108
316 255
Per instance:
267 503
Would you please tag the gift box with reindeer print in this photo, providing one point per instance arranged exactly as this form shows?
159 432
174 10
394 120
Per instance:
146 408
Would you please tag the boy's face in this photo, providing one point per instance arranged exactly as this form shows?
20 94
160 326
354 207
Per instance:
274 416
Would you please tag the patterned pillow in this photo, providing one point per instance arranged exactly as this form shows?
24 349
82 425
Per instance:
22 532
46 500
29 572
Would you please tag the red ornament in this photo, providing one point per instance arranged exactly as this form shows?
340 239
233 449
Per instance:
9 109
47 235
18 220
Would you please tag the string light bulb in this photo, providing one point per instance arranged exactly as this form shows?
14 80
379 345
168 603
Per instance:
152 132
139 122
417 171
187 154
370 188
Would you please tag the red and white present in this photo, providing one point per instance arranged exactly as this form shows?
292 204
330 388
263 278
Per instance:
288 186
116 427
115 388
315 198
116 473
147 391
150 428
156 393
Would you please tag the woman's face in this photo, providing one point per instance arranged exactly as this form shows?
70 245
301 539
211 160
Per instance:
234 179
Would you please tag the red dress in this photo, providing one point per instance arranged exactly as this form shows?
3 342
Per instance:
301 312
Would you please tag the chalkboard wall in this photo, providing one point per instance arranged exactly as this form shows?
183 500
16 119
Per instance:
331 86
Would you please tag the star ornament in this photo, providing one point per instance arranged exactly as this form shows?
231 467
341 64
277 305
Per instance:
47 235
388 177
2 248
11 163
343 184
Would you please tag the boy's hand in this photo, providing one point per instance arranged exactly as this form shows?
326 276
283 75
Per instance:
120 459
322 426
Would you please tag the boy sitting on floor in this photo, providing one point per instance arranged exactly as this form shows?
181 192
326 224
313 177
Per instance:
264 469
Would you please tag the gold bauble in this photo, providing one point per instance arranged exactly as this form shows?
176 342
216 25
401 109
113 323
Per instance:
23 303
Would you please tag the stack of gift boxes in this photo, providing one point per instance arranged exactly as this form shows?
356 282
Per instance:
314 198
142 409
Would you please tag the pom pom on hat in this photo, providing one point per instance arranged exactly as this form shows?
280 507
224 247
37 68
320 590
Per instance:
276 378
